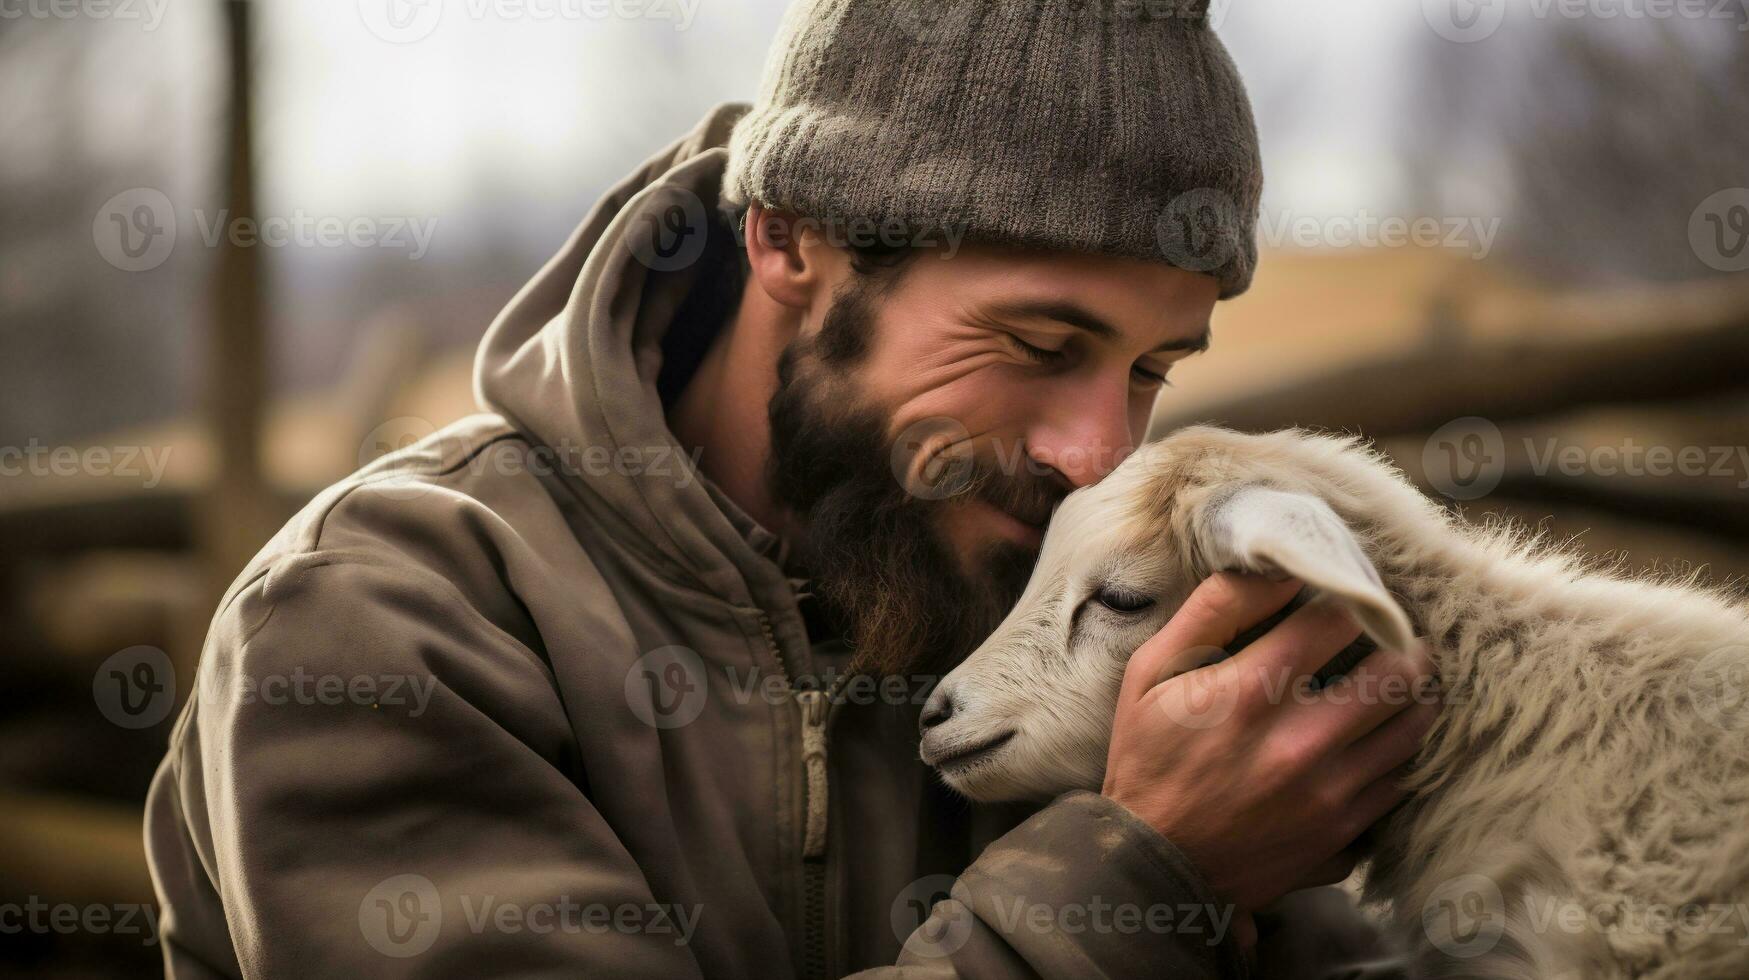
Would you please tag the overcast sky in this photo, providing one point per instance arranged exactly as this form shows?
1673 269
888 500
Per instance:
539 107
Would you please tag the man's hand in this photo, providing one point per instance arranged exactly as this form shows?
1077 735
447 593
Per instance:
1260 781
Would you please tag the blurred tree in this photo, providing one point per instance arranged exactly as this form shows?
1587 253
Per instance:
1596 138
89 108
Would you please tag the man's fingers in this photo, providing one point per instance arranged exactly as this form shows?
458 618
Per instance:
1374 695
1374 802
1223 606
1386 748
1303 642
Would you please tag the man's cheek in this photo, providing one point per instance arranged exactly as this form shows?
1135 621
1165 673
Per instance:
958 525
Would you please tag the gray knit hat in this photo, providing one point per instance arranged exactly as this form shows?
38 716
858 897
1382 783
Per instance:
1111 126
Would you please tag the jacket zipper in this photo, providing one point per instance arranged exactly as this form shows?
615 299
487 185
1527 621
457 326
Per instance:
815 704
817 709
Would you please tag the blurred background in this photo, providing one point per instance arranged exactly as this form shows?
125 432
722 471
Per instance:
1510 244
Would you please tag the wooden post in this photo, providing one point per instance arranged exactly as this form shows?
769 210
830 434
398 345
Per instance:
237 516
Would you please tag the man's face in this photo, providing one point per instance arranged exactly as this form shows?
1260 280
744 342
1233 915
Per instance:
924 428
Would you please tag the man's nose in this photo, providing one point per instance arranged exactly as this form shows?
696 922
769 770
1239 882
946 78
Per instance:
1086 440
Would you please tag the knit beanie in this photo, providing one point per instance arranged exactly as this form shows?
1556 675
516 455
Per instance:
1116 127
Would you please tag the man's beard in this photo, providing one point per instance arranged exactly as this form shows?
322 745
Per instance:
876 552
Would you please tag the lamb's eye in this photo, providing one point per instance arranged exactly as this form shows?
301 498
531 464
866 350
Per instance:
1117 600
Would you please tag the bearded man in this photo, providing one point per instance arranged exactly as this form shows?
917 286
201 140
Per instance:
767 447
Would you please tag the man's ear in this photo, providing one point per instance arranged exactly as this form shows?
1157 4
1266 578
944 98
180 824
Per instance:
785 257
1274 532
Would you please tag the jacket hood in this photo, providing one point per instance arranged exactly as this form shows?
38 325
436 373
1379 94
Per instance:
572 363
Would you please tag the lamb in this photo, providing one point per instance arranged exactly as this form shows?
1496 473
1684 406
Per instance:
1580 809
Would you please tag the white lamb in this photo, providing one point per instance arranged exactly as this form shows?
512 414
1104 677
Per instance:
1581 808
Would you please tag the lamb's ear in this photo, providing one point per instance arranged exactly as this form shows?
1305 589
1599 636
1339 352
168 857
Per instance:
1257 529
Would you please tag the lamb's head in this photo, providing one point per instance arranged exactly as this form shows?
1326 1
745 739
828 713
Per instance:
1029 713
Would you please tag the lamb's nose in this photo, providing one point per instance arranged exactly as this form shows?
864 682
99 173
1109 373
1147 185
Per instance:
937 709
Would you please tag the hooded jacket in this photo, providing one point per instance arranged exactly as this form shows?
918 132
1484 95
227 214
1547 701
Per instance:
531 697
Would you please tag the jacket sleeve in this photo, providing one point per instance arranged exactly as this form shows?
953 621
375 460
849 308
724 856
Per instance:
1086 889
370 772
1083 888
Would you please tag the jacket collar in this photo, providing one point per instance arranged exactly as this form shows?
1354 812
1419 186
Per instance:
572 362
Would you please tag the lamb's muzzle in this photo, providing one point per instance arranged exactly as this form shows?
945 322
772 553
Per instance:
1585 762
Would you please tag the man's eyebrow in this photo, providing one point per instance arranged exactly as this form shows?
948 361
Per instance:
1082 318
